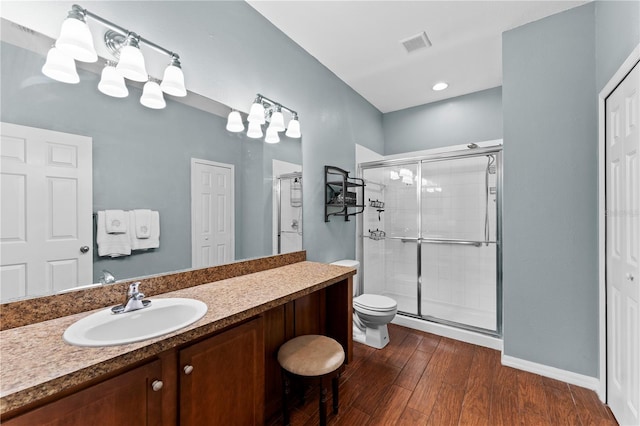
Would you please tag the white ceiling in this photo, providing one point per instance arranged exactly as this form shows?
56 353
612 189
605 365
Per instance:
359 41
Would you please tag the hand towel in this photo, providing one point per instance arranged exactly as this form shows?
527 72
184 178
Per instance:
154 232
142 223
113 245
115 222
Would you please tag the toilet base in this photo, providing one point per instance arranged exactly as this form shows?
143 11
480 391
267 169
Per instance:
377 337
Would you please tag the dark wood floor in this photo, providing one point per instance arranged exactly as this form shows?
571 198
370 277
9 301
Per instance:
423 379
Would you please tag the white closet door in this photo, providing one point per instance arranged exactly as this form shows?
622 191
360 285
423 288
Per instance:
46 211
623 249
212 207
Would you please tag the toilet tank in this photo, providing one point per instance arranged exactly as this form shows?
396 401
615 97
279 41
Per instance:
352 264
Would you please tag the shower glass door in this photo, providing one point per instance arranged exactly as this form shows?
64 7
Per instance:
390 234
458 241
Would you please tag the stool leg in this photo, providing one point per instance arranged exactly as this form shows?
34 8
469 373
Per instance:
334 384
323 403
285 399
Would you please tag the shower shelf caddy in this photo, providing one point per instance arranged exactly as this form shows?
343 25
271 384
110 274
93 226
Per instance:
342 194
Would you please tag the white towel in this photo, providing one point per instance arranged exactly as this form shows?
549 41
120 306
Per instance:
115 222
142 223
113 245
154 232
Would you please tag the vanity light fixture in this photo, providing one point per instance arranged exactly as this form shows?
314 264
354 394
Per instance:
265 110
76 43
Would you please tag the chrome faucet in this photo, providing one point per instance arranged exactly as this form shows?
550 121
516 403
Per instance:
134 300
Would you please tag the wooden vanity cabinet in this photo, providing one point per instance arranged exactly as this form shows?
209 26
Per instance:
222 378
126 399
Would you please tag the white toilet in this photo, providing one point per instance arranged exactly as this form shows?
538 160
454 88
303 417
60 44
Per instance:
371 313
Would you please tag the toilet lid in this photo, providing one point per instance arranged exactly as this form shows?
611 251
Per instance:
375 302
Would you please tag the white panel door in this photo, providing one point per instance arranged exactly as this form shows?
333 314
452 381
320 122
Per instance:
46 211
623 249
212 207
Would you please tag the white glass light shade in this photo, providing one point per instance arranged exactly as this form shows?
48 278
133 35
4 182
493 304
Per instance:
272 135
60 66
112 83
293 130
152 96
76 40
255 130
131 64
393 175
234 122
277 121
256 113
407 180
173 81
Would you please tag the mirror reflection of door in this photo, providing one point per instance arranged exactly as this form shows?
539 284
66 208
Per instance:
46 218
212 207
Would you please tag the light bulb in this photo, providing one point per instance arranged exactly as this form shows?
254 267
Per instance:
256 113
152 96
173 79
272 135
293 129
131 64
277 121
75 38
234 122
112 83
60 66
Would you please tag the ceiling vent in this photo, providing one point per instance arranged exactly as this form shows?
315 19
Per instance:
416 42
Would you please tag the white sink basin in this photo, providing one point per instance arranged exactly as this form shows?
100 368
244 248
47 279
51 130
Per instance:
163 316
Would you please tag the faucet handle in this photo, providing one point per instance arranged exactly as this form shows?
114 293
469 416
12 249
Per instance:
133 288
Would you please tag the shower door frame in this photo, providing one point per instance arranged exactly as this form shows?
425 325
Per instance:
292 175
419 160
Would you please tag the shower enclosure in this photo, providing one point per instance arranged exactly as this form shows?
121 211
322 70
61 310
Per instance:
430 237
288 192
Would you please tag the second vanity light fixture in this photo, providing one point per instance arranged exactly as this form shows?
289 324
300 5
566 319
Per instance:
76 43
263 110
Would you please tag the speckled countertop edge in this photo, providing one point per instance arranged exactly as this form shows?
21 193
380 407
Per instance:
37 363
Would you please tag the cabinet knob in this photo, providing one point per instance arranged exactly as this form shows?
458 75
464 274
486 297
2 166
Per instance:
157 385
188 369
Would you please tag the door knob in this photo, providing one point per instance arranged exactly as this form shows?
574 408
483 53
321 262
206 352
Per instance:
188 369
157 385
84 249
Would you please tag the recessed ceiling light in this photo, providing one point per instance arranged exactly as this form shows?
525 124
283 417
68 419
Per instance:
440 86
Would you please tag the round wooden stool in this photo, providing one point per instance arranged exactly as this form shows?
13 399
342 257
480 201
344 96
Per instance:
312 358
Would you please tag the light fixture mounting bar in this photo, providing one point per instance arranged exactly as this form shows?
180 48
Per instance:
263 98
122 30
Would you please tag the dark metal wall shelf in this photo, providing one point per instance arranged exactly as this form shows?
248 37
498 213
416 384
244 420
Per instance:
343 195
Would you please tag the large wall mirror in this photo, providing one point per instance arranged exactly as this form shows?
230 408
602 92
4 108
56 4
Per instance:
142 158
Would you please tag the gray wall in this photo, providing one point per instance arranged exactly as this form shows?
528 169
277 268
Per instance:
142 158
460 120
550 225
617 34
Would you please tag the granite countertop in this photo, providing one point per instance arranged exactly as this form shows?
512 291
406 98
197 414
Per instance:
37 362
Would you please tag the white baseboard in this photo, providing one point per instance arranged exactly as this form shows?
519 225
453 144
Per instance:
581 380
450 332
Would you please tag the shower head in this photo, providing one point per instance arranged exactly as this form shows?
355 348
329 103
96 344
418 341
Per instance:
472 146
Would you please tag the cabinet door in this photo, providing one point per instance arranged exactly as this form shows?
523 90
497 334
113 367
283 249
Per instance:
222 378
127 399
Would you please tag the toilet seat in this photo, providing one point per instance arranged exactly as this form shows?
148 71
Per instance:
375 303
